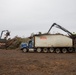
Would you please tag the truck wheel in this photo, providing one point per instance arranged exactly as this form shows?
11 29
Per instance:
70 50
64 50
57 50
24 50
75 50
45 50
51 50
38 50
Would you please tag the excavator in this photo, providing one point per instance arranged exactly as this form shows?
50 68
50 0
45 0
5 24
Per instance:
3 41
71 35
6 42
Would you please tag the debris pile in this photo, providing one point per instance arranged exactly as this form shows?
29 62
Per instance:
15 42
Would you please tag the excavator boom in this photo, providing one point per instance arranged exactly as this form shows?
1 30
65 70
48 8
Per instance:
60 27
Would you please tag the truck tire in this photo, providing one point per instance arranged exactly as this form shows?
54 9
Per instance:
38 50
45 50
57 50
70 50
51 50
75 50
24 50
64 50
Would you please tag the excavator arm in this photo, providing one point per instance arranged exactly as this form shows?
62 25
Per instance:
60 27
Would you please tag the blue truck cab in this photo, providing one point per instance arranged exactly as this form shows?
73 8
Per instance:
25 47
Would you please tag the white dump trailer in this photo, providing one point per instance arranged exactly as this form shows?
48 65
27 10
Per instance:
53 43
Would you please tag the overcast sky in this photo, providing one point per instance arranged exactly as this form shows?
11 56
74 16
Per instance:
23 17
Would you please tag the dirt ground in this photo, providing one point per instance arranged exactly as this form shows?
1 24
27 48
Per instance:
14 62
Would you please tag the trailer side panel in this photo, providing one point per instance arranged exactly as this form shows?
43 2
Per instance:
53 41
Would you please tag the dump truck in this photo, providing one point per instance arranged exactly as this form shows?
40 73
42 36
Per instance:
51 42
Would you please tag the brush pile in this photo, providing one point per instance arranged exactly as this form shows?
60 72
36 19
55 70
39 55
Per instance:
15 42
